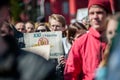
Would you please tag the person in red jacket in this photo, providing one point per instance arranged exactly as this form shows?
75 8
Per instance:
86 52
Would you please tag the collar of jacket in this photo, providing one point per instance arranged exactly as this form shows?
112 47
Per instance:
94 33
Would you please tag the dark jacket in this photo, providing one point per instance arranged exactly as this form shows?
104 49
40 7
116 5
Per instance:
17 64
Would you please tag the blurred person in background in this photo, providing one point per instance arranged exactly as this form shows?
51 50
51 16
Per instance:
5 15
20 26
42 27
29 26
86 52
4 10
6 29
24 17
15 64
57 23
74 30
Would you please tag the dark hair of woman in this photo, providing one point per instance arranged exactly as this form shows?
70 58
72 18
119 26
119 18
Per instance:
73 29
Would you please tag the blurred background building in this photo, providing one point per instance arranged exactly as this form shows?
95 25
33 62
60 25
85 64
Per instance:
39 10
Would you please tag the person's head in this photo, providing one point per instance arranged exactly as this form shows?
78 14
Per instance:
57 22
112 25
74 30
6 29
24 17
42 27
85 21
29 26
97 12
20 26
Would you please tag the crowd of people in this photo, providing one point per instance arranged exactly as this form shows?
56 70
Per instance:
89 47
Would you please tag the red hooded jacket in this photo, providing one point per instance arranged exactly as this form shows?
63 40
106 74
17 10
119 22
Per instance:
84 56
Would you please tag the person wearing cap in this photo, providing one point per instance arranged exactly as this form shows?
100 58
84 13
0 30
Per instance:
86 52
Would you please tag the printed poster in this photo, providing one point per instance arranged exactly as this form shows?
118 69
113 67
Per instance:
54 39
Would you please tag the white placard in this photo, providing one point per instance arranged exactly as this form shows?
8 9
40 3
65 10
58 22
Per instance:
43 50
81 13
54 39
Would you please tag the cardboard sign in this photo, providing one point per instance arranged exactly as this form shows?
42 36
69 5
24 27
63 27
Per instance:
81 13
43 50
54 39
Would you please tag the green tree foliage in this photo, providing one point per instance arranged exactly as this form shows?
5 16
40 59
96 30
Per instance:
15 9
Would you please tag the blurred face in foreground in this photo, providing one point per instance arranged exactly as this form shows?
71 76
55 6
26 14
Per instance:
6 30
97 16
111 29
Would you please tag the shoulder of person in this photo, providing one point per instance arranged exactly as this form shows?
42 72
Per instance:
30 64
82 39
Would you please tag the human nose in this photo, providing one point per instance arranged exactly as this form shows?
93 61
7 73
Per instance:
95 15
